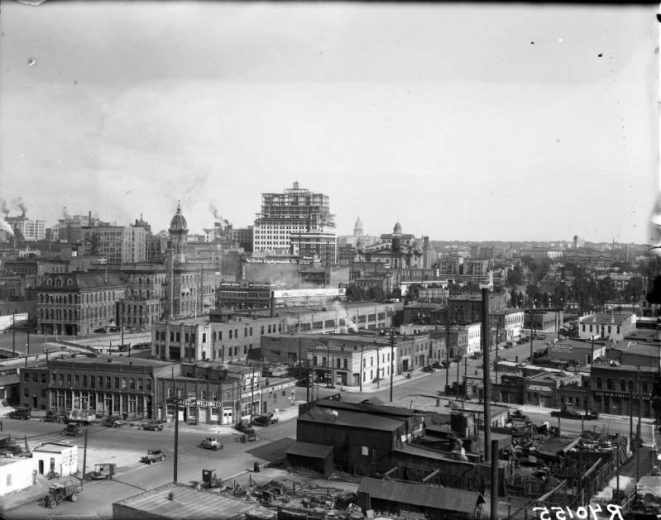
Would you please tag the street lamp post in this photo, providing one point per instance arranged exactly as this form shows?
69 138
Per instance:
392 360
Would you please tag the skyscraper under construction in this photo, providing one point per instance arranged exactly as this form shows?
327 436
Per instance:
296 222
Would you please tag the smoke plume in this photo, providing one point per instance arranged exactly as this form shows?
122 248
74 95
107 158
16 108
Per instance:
4 226
65 215
18 202
4 207
214 212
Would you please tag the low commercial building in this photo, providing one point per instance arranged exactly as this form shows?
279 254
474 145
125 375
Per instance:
542 389
215 394
614 326
56 457
617 389
576 352
511 321
107 385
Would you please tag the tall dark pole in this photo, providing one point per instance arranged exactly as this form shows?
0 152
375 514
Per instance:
252 392
13 333
494 480
486 373
532 350
458 367
84 456
28 344
465 379
640 413
176 435
392 360
361 369
447 351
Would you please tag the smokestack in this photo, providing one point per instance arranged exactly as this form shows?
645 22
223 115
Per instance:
494 479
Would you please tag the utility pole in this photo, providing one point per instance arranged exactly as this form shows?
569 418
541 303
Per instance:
465 379
252 392
486 374
361 370
13 333
176 434
447 351
392 359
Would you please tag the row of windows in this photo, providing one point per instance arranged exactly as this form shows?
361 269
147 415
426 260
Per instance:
123 383
624 386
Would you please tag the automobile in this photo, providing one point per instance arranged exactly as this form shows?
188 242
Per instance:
522 341
23 413
436 364
509 344
152 426
153 456
265 420
73 430
103 471
114 422
303 382
211 443
428 369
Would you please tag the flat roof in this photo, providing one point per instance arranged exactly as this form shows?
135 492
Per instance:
107 360
186 503
307 449
352 419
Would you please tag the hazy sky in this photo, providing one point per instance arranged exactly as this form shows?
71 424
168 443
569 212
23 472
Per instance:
462 121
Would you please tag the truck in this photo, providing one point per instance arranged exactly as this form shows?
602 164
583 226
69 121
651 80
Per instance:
55 417
84 417
58 491
103 471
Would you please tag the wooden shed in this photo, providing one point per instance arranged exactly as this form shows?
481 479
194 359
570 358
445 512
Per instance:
311 456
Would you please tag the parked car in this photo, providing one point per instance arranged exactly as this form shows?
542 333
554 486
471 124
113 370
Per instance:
509 344
152 426
518 415
153 456
211 443
303 382
114 422
428 369
24 413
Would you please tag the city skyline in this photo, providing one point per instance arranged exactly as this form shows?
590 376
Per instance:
461 122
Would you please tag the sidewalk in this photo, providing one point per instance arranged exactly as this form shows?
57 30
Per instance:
384 383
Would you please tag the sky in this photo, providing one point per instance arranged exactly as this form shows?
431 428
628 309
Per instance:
461 121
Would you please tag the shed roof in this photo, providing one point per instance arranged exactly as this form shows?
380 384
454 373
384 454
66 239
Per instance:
187 503
307 449
54 447
454 500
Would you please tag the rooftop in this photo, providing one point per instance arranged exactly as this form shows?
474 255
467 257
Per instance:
352 419
186 503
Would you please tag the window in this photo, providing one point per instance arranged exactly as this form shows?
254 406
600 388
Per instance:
44 377
132 384
598 382
609 384
26 392
26 377
149 385
85 381
644 387
139 384
117 382
623 385
35 378
68 379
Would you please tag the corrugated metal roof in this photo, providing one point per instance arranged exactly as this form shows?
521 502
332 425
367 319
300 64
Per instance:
307 449
447 499
187 503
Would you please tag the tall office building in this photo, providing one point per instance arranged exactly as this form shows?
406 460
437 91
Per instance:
296 222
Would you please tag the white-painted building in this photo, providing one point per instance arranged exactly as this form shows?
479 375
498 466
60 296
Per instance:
16 473
59 457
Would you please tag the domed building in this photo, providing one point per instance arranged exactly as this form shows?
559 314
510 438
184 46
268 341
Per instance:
178 235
